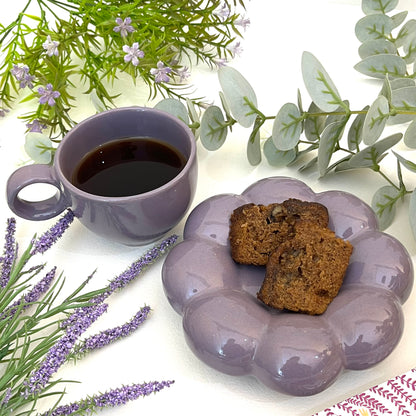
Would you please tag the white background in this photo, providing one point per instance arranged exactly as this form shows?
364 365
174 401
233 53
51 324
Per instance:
279 32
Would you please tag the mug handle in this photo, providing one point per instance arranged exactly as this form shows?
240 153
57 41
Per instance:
38 210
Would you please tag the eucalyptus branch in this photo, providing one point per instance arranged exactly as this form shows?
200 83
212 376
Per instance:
329 136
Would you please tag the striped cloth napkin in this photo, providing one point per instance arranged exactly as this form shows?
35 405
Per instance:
396 397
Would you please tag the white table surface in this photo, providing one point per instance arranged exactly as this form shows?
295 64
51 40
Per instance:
279 32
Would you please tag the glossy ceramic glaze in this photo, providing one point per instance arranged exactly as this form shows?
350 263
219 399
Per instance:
230 330
132 220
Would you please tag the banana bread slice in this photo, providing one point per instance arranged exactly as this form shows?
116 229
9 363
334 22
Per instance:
257 230
305 273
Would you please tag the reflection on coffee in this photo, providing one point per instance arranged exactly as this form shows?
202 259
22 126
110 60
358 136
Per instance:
129 166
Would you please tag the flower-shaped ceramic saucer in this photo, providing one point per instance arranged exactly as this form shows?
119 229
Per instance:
230 330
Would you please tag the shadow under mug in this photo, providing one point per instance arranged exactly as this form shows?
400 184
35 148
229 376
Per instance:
131 220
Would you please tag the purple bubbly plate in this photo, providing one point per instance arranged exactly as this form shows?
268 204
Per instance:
230 330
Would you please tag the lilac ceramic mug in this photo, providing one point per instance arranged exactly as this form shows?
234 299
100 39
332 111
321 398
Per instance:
132 220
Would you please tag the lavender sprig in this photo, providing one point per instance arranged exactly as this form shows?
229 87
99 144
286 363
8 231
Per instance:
32 296
136 268
109 336
10 252
112 398
44 242
83 318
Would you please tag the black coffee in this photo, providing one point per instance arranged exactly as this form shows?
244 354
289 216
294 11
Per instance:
127 167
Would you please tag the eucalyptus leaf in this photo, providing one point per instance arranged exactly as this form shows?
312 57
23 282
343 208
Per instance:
355 132
410 135
318 83
373 26
406 163
403 99
38 147
329 139
314 123
376 47
287 127
399 18
412 212
253 149
386 89
406 33
372 155
174 107
340 114
237 91
401 83
275 157
383 204
378 66
375 120
213 128
378 6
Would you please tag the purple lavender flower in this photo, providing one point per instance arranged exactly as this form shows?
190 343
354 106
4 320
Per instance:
161 72
183 73
32 296
220 62
137 267
124 26
21 73
243 22
6 397
237 49
223 12
81 320
133 53
112 398
109 336
3 112
10 252
47 95
50 237
51 46
36 126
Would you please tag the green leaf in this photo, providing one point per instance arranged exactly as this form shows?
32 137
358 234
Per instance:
253 149
378 6
378 66
383 204
355 133
213 128
372 155
403 99
399 18
373 26
38 147
237 91
406 33
275 157
174 107
287 127
376 47
401 83
406 163
412 212
410 135
375 120
314 124
327 145
318 83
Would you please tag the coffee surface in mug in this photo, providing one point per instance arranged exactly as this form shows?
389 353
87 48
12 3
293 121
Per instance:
128 166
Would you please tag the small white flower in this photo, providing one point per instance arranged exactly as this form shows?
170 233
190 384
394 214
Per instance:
133 53
51 46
